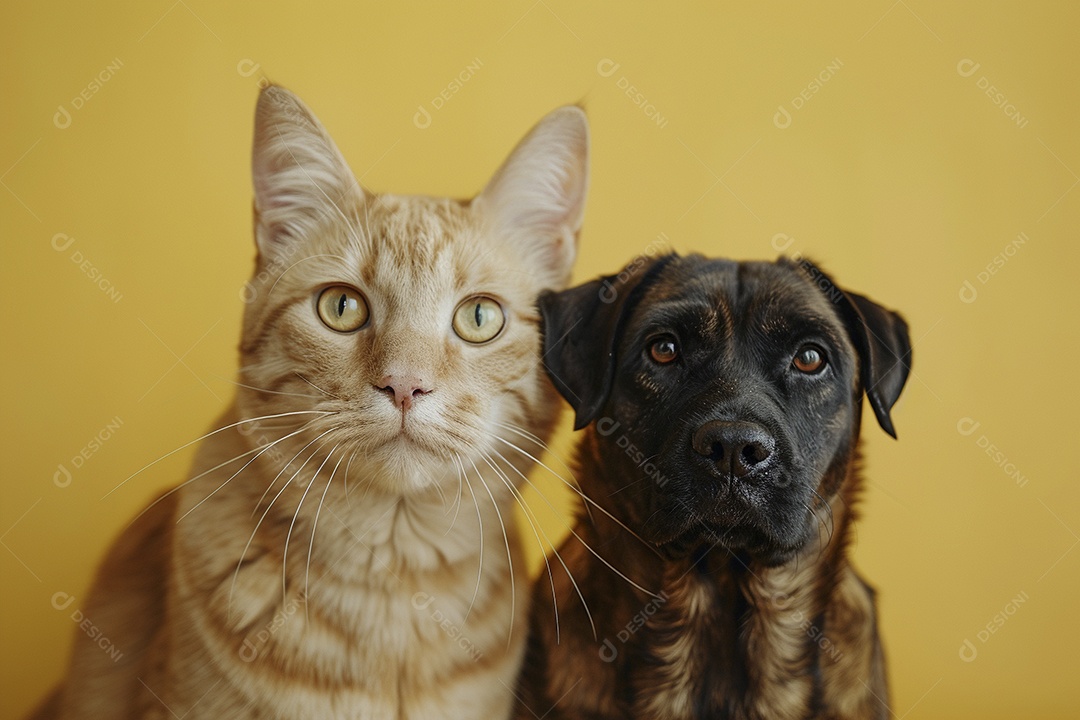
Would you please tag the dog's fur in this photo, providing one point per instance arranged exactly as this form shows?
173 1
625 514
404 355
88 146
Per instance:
687 589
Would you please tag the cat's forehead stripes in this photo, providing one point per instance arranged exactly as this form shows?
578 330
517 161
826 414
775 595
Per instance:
426 249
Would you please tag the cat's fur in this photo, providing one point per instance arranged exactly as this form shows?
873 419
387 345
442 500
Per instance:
395 518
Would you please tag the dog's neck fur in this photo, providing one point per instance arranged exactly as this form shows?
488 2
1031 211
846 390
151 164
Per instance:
728 636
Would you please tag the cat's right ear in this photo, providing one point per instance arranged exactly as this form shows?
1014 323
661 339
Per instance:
536 200
300 176
582 328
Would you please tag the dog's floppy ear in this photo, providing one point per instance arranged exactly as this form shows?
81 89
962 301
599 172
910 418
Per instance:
881 338
582 326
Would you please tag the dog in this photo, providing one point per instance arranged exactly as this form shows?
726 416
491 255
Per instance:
706 575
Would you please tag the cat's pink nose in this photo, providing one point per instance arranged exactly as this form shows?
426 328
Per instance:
403 389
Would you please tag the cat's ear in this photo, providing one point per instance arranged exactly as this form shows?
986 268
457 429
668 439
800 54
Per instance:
300 176
536 200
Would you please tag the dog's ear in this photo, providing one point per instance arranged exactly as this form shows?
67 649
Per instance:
582 327
881 338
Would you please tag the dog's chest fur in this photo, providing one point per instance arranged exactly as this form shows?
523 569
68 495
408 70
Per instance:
726 633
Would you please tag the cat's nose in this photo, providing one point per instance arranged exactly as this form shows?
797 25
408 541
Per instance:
403 390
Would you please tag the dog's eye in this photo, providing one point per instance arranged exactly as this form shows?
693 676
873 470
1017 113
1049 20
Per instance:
664 350
809 360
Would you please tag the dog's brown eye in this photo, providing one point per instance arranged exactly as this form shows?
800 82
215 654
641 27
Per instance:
664 350
809 360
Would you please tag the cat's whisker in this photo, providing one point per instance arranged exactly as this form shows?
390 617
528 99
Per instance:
517 430
215 432
555 551
204 473
348 465
546 448
264 390
480 523
583 496
529 515
303 259
579 538
314 527
288 535
324 392
281 472
230 478
251 538
509 555
439 491
457 503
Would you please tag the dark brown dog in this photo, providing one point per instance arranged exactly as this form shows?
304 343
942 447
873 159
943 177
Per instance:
707 575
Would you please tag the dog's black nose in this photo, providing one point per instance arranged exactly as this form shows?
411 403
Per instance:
737 448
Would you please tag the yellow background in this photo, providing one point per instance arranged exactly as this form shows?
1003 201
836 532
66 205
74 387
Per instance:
900 174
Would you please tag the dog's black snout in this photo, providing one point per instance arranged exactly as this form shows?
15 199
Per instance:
737 448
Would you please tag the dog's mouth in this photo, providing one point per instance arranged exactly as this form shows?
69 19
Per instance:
767 525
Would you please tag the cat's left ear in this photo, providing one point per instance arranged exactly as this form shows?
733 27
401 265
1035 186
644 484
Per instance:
299 174
536 200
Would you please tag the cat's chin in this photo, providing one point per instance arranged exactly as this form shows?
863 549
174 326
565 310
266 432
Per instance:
404 466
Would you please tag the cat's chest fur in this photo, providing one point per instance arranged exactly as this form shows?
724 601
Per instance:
392 596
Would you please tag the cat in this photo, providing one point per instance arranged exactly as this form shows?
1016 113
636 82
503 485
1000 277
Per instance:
344 546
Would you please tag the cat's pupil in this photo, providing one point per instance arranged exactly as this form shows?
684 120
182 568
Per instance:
479 315
343 301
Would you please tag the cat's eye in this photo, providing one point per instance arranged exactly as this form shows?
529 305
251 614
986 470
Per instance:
664 350
479 319
342 308
809 360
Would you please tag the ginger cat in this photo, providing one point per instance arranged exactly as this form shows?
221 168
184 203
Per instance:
344 547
